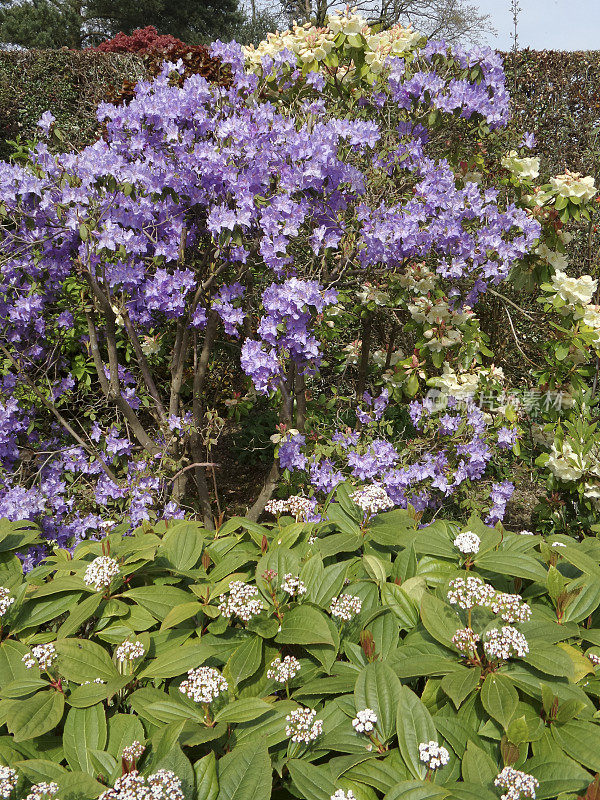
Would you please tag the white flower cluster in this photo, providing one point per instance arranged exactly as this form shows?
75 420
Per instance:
565 463
41 655
8 781
574 185
469 592
503 643
594 659
96 680
6 600
128 651
283 671
299 507
519 784
312 45
339 794
293 585
575 291
133 751
433 754
467 542
43 791
204 684
521 167
100 572
302 725
371 499
510 607
345 606
241 602
465 640
364 721
162 785
464 384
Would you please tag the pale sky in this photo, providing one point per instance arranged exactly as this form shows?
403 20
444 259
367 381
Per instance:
546 24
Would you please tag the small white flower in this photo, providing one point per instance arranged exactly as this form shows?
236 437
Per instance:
133 751
41 655
203 685
345 606
339 794
96 680
510 607
467 542
364 721
526 533
283 671
371 499
161 785
100 572
242 601
558 544
293 585
6 600
302 725
595 659
42 791
469 592
8 781
465 640
129 651
518 784
433 755
500 644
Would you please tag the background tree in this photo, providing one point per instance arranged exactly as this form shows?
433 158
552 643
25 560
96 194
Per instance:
76 24
452 20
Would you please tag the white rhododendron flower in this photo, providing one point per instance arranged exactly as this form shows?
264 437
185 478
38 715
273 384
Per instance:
565 463
573 184
521 167
574 290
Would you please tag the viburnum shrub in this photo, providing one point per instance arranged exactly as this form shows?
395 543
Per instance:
301 659
266 218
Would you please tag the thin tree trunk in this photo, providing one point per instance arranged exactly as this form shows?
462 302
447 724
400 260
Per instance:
365 347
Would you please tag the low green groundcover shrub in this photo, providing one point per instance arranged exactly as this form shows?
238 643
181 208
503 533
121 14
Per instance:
310 660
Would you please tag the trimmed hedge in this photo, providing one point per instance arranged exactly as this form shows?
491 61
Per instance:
70 83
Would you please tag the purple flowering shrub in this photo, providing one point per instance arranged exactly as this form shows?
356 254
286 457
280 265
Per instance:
241 217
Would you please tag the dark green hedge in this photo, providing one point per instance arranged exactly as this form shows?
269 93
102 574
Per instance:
70 83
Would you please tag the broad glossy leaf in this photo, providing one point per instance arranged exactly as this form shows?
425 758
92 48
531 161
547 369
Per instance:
499 697
35 716
413 726
304 624
85 730
377 687
80 660
207 784
460 683
313 783
245 772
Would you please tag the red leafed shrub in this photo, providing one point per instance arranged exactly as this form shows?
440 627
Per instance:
155 49
142 41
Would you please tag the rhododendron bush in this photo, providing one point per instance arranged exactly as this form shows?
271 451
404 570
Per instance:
370 658
344 171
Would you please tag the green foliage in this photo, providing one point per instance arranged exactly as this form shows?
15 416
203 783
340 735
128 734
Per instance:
70 721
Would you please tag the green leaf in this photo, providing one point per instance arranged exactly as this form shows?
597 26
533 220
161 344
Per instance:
85 730
179 661
440 619
477 765
401 604
550 659
313 783
79 786
182 544
207 785
37 770
556 776
459 684
245 660
80 614
304 625
158 600
123 730
91 693
245 772
22 687
244 710
417 790
377 687
80 660
413 726
580 741
517 565
499 698
28 719
181 613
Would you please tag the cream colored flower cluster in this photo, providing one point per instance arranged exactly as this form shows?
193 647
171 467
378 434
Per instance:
312 45
573 185
522 168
